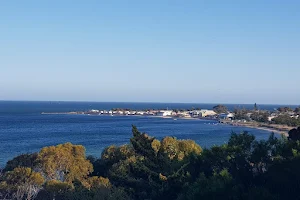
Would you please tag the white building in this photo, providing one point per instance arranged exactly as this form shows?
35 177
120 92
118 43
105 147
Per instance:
94 111
270 118
202 113
126 112
164 113
226 116
120 112
206 113
132 112
150 113
196 113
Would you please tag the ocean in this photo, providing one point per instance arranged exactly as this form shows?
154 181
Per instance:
23 129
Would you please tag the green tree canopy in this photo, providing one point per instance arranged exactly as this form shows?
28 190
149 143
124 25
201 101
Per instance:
23 160
64 162
22 183
169 168
285 109
220 109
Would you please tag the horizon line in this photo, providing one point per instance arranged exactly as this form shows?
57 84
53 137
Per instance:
155 102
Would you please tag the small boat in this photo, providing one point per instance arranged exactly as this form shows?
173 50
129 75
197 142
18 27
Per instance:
175 119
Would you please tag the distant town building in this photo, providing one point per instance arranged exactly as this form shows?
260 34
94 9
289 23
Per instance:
126 112
94 111
206 113
132 113
270 118
196 113
149 113
229 116
174 113
164 113
249 115
202 113
120 112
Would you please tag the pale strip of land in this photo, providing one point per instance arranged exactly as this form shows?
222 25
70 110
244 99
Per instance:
276 128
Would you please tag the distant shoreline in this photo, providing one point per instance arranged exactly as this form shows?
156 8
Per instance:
276 128
165 117
279 129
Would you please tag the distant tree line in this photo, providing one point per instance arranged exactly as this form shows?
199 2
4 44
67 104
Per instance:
220 109
263 115
285 109
288 109
286 119
255 115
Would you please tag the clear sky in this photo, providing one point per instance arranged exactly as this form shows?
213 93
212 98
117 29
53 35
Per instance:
161 51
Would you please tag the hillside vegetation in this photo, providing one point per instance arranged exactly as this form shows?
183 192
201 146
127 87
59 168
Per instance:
148 168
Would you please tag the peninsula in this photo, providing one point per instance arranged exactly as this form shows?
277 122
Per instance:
280 121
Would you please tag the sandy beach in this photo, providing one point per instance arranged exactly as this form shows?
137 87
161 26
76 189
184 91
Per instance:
276 128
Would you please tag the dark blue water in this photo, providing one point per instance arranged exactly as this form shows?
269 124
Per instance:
22 107
23 129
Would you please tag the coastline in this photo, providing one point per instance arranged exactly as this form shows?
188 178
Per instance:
285 133
278 129
156 116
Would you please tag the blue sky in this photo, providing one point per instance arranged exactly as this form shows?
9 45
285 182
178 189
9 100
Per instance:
160 51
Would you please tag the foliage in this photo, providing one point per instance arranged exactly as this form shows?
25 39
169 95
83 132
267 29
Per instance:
255 115
153 167
64 162
241 114
220 109
148 168
97 182
23 160
294 134
285 109
56 186
260 116
22 183
286 119
217 186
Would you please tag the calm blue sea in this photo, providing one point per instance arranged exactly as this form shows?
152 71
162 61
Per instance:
24 129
